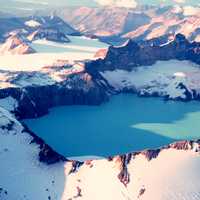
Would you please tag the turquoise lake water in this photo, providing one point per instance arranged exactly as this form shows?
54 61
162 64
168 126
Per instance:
126 123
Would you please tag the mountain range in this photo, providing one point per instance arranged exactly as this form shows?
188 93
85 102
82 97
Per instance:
27 25
147 22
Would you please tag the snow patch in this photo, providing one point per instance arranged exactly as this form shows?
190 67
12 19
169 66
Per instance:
163 78
32 23
9 103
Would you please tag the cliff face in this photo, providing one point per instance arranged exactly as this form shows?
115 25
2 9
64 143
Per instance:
133 55
151 70
35 100
122 70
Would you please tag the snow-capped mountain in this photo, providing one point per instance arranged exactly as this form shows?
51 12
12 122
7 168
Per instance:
9 24
53 22
114 24
15 45
28 25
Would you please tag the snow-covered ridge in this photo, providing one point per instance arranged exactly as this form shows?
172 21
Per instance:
140 23
170 173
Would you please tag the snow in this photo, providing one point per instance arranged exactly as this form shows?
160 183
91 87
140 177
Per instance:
49 75
9 103
168 42
164 78
180 74
36 61
79 49
177 180
38 68
32 23
22 175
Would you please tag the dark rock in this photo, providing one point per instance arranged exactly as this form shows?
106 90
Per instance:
49 34
46 154
144 54
35 101
142 191
151 154
124 175
75 166
182 145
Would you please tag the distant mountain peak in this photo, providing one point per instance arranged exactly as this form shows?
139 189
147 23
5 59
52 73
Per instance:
15 45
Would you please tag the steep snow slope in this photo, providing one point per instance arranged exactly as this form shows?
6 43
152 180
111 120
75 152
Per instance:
170 175
22 176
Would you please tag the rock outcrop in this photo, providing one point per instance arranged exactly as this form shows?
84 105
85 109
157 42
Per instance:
49 34
133 54
15 45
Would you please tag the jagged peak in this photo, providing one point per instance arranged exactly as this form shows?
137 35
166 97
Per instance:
180 38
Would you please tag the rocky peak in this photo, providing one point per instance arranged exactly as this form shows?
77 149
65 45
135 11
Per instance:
48 34
15 45
180 38
134 54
